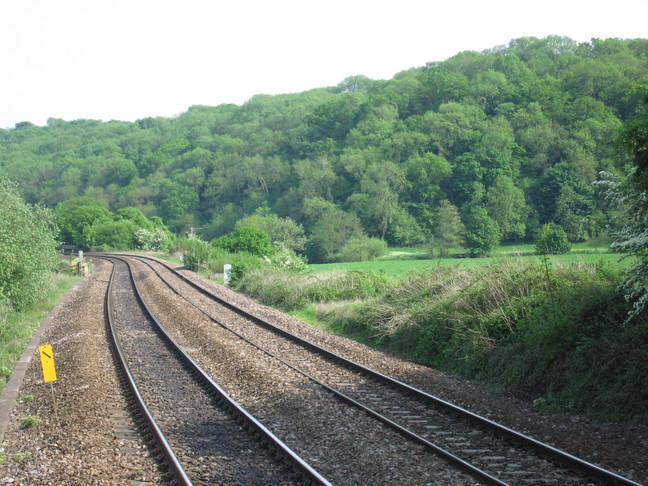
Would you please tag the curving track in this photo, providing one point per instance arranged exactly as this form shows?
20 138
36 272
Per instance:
204 436
489 452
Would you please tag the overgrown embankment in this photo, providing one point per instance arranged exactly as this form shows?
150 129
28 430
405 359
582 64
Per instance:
558 334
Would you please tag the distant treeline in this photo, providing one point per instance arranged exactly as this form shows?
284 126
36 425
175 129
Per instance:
487 145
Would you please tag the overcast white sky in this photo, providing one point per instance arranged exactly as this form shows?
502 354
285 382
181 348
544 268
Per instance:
129 59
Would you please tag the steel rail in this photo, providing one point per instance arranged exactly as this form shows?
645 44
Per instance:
160 440
307 472
440 451
545 450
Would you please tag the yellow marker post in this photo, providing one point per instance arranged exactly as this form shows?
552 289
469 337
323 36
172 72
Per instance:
49 371
47 361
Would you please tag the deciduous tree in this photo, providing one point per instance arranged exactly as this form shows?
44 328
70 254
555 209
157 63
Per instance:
483 235
628 194
283 232
333 229
449 230
552 240
247 240
76 215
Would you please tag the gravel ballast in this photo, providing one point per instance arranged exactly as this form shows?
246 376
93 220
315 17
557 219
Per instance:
76 442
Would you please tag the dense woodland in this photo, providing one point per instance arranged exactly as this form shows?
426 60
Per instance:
486 145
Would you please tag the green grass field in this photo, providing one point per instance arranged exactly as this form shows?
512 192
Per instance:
401 261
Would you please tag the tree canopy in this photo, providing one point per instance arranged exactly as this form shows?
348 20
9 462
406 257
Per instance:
86 223
513 137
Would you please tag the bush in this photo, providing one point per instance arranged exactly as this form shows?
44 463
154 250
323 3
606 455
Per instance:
552 240
245 240
76 217
27 248
196 254
154 240
30 421
115 235
283 232
483 234
219 258
287 259
363 249
329 235
240 269
568 349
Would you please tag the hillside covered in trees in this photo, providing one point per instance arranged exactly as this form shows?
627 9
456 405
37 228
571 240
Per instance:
491 145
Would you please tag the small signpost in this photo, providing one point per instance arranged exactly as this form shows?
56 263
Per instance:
227 270
49 370
47 361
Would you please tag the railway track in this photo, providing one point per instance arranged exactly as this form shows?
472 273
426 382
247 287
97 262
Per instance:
491 453
203 435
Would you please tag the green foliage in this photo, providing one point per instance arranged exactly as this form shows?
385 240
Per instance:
635 134
449 231
75 217
137 217
218 258
334 119
521 131
287 259
114 235
551 239
243 263
566 348
289 291
245 240
363 249
333 229
511 323
87 224
27 248
178 207
154 240
30 421
21 457
241 269
425 175
628 195
283 232
196 253
483 234
506 204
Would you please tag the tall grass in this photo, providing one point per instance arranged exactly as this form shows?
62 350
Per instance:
545 326
290 290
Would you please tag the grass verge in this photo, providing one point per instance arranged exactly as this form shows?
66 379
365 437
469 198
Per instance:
17 328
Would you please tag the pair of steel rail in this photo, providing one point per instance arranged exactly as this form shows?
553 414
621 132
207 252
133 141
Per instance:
177 471
566 460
